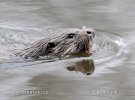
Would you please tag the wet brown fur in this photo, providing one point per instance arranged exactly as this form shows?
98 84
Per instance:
63 43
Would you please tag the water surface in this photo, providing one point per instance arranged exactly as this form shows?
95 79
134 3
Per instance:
110 68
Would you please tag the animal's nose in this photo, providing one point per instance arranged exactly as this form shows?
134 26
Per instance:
89 32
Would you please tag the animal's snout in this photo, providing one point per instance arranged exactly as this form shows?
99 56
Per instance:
89 32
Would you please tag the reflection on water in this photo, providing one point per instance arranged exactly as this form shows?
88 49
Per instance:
25 21
85 66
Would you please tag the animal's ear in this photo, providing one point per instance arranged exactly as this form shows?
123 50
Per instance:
51 45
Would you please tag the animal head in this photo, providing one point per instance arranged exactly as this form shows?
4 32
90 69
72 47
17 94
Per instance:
64 43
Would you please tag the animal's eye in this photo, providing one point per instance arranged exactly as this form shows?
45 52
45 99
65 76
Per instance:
89 32
71 35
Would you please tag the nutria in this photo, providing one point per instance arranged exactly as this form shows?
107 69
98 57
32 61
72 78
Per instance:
64 43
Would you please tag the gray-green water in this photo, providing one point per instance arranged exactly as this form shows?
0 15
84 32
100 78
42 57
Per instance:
112 75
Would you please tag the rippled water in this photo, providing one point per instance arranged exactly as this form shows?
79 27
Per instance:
110 68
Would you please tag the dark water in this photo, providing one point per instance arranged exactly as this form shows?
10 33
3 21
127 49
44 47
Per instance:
107 74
